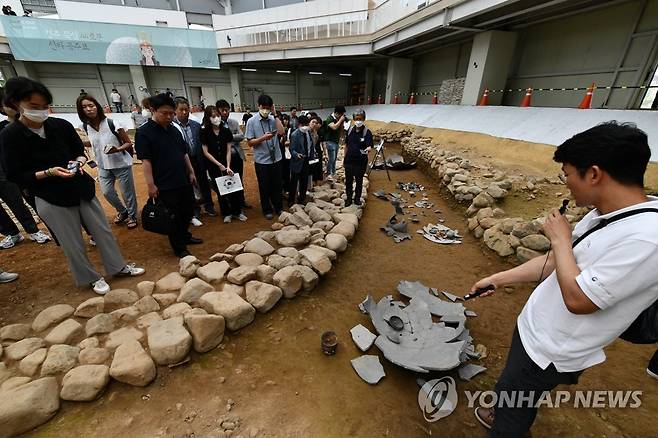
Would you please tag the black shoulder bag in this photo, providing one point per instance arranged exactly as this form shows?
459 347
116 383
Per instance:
156 217
644 330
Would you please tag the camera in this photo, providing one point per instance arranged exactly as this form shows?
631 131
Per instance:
73 168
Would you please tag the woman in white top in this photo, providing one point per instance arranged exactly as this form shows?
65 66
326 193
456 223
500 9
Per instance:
113 150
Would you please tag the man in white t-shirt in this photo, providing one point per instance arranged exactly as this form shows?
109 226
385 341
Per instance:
116 100
589 293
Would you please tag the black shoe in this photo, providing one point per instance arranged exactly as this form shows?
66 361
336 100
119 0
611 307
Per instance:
348 203
269 216
652 369
357 202
183 253
210 212
194 241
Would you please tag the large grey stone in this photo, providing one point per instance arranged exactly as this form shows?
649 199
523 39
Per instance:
262 296
121 297
122 336
31 363
94 356
248 259
349 217
235 249
300 219
241 274
60 359
188 265
171 282
5 373
496 192
483 200
293 238
165 300
101 323
233 288
523 229
207 331
145 288
175 310
125 314
237 312
14 332
265 273
316 259
289 280
497 241
221 256
310 278
525 254
291 253
14 382
259 246
316 214
64 332
279 262
28 406
85 382
537 242
145 321
92 342
50 316
18 350
147 304
336 242
168 341
324 225
344 228
132 365
90 308
213 271
193 290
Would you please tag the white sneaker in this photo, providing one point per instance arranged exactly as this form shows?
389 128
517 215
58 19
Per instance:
40 237
227 219
92 242
11 241
100 286
7 277
242 217
196 222
130 270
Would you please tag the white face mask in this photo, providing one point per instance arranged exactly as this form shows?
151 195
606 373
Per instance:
358 123
37 116
216 120
146 113
304 128
264 113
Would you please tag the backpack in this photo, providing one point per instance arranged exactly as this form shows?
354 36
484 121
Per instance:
644 330
110 124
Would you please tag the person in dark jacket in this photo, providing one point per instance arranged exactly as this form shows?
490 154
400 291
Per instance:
46 156
302 152
359 142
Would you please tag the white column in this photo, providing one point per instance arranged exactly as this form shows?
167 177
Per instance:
139 81
398 78
368 89
491 56
236 87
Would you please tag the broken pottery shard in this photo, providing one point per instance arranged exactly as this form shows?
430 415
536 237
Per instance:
470 313
440 234
436 306
451 297
367 304
369 368
362 337
381 194
468 371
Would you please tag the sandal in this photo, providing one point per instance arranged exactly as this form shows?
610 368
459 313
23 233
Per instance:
132 223
120 218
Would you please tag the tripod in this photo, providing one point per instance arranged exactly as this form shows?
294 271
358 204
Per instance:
379 149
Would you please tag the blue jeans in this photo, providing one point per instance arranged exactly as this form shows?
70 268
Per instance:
124 175
332 152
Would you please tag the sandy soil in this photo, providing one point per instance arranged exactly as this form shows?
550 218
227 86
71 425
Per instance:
274 371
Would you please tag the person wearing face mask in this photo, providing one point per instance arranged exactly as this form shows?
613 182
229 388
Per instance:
284 144
11 194
237 154
46 155
302 152
216 139
316 173
359 142
191 132
261 134
112 149
141 114
334 124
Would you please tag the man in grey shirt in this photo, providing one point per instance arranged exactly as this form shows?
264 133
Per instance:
237 154
261 135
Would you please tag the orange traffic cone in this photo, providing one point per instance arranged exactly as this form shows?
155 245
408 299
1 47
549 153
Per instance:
485 98
412 99
379 99
526 99
435 99
396 100
587 100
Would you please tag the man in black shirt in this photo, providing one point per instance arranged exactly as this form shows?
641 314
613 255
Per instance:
167 170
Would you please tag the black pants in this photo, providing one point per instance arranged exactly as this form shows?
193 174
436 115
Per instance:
199 166
298 185
119 107
354 171
181 203
231 204
522 374
286 177
237 166
269 187
11 194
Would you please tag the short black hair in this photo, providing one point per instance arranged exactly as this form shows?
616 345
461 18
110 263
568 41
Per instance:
180 100
160 100
303 120
265 100
340 109
293 108
21 88
221 103
621 149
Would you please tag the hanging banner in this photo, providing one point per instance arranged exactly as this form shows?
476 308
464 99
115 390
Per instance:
42 39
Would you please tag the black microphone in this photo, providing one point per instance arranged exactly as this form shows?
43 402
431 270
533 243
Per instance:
563 209
479 291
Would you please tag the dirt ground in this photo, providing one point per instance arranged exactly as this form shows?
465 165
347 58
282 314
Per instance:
273 370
